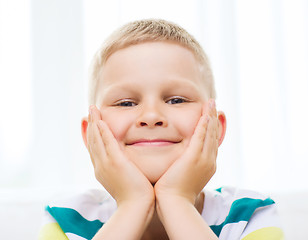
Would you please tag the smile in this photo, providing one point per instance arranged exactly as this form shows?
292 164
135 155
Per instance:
152 143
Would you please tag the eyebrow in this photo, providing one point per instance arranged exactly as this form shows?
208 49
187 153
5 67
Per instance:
118 87
131 87
110 93
184 83
169 82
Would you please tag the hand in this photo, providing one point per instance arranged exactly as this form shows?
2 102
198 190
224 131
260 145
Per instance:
119 176
122 179
188 175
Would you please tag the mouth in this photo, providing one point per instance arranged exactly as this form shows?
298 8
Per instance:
152 143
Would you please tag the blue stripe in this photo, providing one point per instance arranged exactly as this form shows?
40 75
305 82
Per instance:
72 222
241 210
218 189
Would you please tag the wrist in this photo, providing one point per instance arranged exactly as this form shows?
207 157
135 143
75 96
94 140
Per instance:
133 203
121 226
182 219
167 203
145 198
178 197
142 206
174 201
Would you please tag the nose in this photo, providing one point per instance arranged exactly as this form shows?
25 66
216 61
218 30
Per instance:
151 117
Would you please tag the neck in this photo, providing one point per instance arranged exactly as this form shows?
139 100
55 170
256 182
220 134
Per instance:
156 230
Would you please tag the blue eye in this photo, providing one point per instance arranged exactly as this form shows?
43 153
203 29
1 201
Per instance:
176 100
126 103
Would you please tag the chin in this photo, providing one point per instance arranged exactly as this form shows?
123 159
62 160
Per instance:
154 168
153 178
153 164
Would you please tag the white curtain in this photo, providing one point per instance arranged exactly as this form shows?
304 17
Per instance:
258 52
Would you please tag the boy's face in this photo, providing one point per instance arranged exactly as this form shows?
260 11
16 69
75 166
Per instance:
151 97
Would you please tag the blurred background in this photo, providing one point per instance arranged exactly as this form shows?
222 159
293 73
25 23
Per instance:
259 54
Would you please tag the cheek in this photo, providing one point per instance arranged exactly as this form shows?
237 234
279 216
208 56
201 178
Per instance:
118 123
187 122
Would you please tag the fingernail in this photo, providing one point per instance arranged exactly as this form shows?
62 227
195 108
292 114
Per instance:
92 108
212 103
91 112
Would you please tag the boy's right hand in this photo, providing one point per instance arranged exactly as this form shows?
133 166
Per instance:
122 179
119 176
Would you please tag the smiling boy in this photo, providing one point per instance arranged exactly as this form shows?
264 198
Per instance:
153 134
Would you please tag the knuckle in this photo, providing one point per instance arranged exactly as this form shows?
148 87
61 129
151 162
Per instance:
214 168
212 134
200 138
98 173
211 168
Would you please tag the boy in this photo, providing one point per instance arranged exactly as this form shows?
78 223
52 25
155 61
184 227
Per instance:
153 133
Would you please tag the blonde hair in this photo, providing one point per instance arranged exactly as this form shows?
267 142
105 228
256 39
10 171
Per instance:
142 31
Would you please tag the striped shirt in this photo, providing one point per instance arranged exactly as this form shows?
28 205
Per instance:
231 213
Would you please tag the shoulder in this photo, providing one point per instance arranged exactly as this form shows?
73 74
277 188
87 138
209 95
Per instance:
229 200
81 214
238 212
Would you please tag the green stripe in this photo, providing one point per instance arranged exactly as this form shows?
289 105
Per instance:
241 210
218 189
72 222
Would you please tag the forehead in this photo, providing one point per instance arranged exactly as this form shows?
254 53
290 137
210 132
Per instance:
151 63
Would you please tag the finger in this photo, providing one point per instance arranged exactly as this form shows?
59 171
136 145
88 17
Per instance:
96 114
210 142
212 108
213 113
89 131
217 131
95 144
198 138
90 140
205 109
111 145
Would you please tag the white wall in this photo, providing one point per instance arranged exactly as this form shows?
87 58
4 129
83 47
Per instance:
259 54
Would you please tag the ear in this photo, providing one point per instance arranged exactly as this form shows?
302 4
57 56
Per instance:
84 128
222 121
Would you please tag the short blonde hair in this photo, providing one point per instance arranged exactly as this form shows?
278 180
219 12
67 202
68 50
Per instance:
142 31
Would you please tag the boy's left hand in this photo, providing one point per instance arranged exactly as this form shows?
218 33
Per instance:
192 171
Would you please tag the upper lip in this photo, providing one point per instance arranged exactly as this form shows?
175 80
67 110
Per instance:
152 141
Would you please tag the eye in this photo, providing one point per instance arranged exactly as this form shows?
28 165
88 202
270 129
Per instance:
125 103
177 100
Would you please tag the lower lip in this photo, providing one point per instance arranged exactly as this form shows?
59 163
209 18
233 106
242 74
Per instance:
153 144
